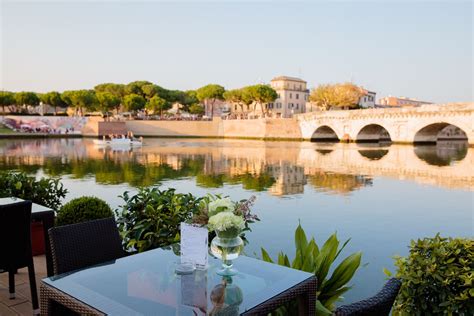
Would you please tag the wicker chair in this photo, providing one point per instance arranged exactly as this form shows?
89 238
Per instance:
377 305
15 228
85 244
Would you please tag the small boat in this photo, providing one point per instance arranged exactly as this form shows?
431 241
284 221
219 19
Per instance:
118 142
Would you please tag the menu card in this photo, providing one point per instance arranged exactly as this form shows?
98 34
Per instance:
194 245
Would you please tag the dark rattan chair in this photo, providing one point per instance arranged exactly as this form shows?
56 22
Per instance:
377 305
15 231
85 244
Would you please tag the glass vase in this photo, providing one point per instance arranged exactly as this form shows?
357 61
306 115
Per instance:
226 247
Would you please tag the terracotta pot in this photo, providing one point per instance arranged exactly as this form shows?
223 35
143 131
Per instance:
37 238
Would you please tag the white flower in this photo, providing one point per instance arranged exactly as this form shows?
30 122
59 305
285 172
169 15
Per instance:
225 220
220 205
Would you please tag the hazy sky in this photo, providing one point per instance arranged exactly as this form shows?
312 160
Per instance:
416 49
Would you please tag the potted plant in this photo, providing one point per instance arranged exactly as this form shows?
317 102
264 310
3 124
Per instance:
45 191
83 209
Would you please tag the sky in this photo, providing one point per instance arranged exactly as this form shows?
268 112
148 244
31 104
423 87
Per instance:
417 49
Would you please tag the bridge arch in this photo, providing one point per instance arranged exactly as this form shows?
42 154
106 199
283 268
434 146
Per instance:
435 132
373 133
324 133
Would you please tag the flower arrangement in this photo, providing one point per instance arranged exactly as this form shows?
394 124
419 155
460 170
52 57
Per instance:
226 224
225 217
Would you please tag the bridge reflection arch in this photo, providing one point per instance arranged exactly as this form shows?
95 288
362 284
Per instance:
373 133
441 131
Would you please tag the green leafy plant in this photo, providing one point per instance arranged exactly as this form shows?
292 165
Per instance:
437 277
83 209
310 258
45 191
152 217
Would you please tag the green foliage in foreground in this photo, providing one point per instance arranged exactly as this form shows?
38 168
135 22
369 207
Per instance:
310 258
83 209
46 191
151 218
437 278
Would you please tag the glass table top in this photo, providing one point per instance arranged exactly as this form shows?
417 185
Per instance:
146 284
35 208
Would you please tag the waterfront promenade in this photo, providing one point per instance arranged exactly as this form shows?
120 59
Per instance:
400 125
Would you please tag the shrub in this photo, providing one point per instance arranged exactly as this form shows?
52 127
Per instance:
46 191
83 209
437 278
310 258
151 218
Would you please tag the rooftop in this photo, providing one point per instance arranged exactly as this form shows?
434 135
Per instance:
287 78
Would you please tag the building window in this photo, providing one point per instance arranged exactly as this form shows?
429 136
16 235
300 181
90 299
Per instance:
297 96
297 106
291 95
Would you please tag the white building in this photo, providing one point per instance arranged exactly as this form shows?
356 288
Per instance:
292 96
367 100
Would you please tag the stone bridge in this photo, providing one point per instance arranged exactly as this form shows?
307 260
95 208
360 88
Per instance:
425 124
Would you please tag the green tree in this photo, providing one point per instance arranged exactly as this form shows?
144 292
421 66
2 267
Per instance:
338 95
6 99
26 99
211 93
53 99
156 104
150 90
262 94
190 97
135 87
107 101
80 100
196 109
234 97
116 89
133 102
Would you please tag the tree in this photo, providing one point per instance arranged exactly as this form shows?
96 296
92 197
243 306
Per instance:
262 94
190 98
135 87
53 99
176 96
80 100
6 99
27 99
150 90
133 102
234 97
196 109
211 92
116 89
336 95
107 101
156 104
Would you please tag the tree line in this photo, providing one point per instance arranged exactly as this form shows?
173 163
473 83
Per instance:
144 95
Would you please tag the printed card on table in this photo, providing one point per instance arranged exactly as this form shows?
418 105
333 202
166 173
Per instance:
194 245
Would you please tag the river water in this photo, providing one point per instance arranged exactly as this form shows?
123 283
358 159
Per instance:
380 196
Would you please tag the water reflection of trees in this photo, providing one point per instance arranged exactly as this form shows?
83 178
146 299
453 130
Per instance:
285 179
339 183
332 168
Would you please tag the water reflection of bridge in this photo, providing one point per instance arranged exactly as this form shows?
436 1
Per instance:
284 168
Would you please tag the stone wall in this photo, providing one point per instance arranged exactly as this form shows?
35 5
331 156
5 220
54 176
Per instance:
175 128
258 128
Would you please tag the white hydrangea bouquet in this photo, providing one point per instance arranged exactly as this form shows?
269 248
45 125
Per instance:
225 217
